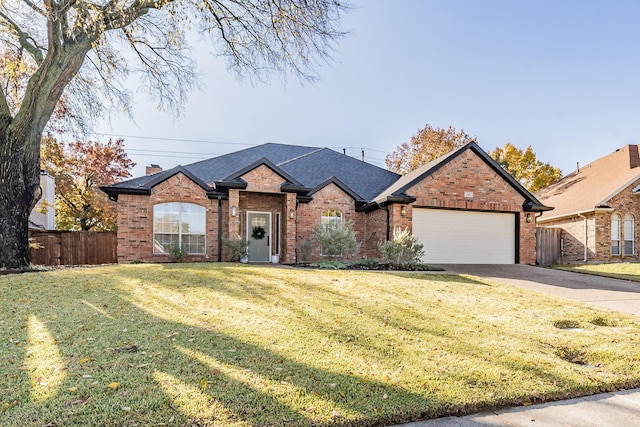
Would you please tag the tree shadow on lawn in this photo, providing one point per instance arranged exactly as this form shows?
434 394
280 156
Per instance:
192 369
228 380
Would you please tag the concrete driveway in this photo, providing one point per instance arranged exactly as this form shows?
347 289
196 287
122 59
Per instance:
598 291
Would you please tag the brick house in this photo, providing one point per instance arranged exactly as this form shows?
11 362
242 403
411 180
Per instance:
597 207
463 206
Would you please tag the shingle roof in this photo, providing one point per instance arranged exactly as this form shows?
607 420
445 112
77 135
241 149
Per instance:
312 167
593 185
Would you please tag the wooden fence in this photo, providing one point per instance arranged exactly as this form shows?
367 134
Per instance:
73 248
548 246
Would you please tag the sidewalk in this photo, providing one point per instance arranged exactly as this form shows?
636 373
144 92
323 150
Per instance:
619 409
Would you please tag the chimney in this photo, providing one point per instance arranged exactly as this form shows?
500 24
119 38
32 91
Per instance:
634 156
151 169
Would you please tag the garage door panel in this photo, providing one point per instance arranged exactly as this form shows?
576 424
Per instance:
465 237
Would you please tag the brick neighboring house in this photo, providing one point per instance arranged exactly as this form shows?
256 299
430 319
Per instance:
463 206
597 208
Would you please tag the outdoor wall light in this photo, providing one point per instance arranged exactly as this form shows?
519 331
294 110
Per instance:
529 217
234 211
403 210
292 213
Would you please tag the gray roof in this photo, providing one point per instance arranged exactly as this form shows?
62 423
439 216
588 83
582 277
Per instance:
309 167
306 170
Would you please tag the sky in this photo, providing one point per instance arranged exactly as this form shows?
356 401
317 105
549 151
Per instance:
560 76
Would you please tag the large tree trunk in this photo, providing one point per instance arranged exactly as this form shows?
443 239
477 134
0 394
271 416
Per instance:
20 181
20 139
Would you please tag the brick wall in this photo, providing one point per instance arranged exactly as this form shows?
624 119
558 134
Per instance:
330 197
135 219
446 187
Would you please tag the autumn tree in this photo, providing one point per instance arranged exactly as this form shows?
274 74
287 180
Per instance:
427 144
79 168
83 50
525 167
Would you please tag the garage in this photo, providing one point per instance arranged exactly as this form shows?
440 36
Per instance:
465 237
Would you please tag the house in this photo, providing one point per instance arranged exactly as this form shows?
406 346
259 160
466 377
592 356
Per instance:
42 216
597 208
463 206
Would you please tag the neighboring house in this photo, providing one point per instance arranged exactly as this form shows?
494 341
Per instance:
42 216
597 208
463 206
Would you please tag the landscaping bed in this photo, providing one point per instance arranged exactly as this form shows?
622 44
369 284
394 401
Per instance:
236 345
369 264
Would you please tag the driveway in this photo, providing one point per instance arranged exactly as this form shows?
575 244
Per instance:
613 294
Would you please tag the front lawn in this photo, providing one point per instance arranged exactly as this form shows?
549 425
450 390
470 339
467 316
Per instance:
237 345
627 270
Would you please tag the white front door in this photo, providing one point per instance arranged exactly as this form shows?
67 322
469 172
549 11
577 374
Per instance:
259 236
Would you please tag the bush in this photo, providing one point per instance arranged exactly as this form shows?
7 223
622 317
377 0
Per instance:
304 250
329 265
176 252
404 249
367 263
337 239
238 248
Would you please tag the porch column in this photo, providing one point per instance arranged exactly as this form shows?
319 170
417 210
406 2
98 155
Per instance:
234 221
291 230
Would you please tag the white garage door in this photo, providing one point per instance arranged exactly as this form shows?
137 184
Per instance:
465 237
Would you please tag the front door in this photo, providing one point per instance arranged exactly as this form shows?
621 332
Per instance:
259 236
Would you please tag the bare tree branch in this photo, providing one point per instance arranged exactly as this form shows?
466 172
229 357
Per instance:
26 41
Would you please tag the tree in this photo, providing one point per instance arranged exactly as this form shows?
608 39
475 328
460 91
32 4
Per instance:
428 144
525 167
79 168
82 50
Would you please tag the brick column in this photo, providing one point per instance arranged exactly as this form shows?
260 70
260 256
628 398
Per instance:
234 221
290 230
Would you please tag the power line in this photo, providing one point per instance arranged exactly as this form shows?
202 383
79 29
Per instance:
175 139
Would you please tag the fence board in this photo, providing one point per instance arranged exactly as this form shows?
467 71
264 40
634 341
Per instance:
548 246
74 248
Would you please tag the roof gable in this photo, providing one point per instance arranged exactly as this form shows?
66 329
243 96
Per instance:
399 189
593 185
143 185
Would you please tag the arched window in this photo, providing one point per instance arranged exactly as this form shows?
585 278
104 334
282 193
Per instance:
615 234
628 234
331 216
179 224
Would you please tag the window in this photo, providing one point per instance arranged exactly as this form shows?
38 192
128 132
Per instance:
331 216
628 234
615 234
180 224
331 219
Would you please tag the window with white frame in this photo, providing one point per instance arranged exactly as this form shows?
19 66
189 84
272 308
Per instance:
331 216
181 224
615 234
628 234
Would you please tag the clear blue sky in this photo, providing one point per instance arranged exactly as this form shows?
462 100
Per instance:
561 76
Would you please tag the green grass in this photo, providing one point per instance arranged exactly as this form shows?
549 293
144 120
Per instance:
627 270
236 345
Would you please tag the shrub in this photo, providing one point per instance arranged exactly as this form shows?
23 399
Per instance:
238 248
176 252
337 239
329 265
367 263
404 249
304 250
